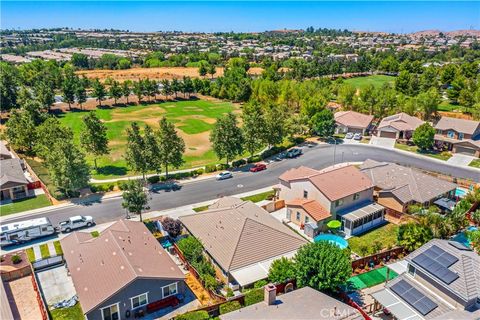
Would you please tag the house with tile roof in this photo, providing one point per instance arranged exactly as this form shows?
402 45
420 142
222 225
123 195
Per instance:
13 183
351 121
458 135
242 240
397 187
314 197
441 281
398 126
123 271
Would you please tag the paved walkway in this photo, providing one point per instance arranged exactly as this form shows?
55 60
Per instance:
383 142
460 159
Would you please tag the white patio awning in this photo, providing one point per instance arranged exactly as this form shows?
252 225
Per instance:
399 267
398 308
258 271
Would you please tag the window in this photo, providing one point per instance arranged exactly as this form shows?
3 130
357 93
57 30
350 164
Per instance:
305 194
460 136
111 312
289 214
306 219
169 290
338 203
356 196
450 134
140 300
298 216
411 270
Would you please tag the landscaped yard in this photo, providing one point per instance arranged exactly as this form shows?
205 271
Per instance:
193 118
39 201
447 106
376 80
433 154
384 236
72 313
369 279
259 196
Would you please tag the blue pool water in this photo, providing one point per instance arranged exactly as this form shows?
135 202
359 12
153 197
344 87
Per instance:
459 192
462 237
339 241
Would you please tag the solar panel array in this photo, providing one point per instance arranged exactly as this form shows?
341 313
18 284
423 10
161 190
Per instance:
436 261
413 297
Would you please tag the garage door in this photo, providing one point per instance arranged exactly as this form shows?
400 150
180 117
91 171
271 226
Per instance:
386 134
465 150
355 130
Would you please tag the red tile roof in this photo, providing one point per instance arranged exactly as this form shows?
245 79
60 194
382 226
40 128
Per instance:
353 119
312 207
298 173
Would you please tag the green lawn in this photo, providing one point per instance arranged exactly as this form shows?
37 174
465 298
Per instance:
72 313
432 154
44 251
376 80
30 254
475 163
200 209
42 173
193 119
259 197
447 106
39 201
58 247
369 279
385 236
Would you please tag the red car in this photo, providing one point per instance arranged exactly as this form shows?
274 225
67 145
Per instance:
258 167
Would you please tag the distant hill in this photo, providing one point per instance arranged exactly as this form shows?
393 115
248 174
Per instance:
449 33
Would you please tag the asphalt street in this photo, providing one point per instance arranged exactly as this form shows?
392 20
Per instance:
317 157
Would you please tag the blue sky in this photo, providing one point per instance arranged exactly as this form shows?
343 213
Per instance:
403 16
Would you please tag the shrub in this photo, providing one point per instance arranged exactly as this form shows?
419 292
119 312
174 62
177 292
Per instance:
222 166
122 184
238 163
163 178
209 282
16 259
254 159
153 179
229 292
210 168
103 187
229 307
253 296
172 226
199 172
260 284
195 315
191 248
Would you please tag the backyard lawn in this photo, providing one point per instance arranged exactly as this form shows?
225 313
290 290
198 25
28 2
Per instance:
385 236
39 201
376 80
369 279
72 313
437 155
193 118
475 163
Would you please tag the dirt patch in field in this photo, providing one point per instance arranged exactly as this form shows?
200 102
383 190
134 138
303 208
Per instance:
196 144
153 73
455 115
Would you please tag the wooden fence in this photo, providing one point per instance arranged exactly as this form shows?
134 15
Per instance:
377 258
41 304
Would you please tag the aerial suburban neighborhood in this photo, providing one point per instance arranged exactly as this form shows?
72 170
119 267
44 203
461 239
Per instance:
235 161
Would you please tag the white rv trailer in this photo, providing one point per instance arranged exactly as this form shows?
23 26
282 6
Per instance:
23 231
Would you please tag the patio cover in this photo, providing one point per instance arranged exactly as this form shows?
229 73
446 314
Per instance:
398 308
257 271
445 203
398 267
362 212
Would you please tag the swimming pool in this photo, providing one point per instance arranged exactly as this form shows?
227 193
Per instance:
339 241
462 237
460 192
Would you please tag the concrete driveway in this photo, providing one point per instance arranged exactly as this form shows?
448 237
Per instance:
56 284
460 159
388 143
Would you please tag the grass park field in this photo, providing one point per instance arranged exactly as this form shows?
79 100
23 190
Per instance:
376 80
193 118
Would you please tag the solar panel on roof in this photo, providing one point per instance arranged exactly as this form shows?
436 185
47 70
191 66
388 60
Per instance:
413 297
435 268
459 246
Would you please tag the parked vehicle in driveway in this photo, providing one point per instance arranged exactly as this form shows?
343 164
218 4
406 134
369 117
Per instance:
258 167
357 136
76 222
349 135
224 175
24 231
293 153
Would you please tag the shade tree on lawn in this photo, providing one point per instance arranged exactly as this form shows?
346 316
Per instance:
227 138
99 91
135 154
94 136
115 91
135 197
323 123
423 136
253 127
171 146
48 134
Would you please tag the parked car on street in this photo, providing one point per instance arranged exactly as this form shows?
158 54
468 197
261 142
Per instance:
165 186
293 153
357 136
76 222
224 175
349 135
258 167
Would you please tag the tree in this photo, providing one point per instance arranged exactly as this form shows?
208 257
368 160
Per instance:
323 123
138 90
171 145
126 89
79 60
44 94
135 198
99 91
346 92
166 88
275 127
322 266
115 91
80 93
281 270
94 136
253 127
68 87
428 103
151 152
8 86
212 70
423 136
202 69
175 87
227 138
413 235
135 154
48 134
68 168
172 226
402 82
